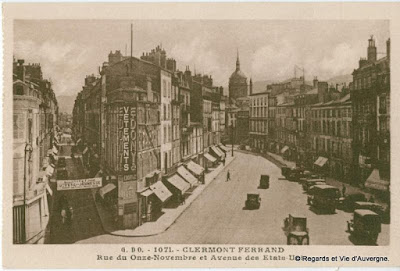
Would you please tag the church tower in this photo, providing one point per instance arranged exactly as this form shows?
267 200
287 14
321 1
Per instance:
238 87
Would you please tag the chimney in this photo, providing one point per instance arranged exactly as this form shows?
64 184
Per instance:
322 92
21 70
371 49
315 82
388 48
251 86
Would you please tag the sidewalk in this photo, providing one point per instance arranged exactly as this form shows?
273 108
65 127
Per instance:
166 220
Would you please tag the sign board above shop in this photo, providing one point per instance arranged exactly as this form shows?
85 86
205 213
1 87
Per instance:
79 184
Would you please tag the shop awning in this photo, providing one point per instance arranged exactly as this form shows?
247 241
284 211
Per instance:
147 193
50 170
187 175
49 189
284 149
179 183
152 174
321 161
210 158
195 168
374 181
106 189
217 151
161 191
224 148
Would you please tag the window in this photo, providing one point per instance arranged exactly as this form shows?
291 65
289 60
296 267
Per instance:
18 90
18 167
19 126
164 88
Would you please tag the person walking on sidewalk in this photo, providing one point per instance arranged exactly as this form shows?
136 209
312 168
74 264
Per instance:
344 190
228 176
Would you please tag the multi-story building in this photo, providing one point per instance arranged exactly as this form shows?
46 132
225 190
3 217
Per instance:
331 135
370 96
35 151
259 120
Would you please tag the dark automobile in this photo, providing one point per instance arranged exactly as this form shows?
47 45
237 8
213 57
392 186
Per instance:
253 201
295 174
62 174
264 182
324 197
365 224
285 171
311 182
375 207
61 162
295 228
348 202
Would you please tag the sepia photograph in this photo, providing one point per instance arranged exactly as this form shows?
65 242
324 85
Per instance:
212 135
208 132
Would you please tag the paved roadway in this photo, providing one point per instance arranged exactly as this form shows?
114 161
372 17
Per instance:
217 216
86 222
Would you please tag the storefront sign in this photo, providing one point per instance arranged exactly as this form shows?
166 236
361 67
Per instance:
127 139
79 184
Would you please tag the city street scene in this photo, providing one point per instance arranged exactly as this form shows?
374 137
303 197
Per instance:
201 132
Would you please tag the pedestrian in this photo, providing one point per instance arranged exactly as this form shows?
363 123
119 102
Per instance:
63 215
223 161
228 176
344 190
183 199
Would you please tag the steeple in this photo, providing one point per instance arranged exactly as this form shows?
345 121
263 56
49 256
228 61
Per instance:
237 61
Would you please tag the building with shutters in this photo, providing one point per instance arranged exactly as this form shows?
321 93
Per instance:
35 144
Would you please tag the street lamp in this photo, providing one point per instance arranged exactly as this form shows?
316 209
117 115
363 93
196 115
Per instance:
232 136
28 154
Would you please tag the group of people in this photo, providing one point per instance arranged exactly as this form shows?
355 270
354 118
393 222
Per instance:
66 211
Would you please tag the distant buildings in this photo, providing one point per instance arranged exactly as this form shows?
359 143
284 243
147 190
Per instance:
35 147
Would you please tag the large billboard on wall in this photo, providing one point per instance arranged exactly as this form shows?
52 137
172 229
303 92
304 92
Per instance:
127 137
79 184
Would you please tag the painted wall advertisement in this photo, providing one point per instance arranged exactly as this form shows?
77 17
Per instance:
127 139
79 184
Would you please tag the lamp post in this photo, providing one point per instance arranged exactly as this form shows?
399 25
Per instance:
28 150
232 136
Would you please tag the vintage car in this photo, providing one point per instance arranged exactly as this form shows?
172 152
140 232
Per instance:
324 197
62 174
295 228
365 224
285 171
295 174
253 201
375 207
264 182
347 203
311 182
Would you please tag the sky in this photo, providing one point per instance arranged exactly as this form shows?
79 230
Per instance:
68 50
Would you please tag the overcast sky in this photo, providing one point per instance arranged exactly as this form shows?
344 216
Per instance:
68 50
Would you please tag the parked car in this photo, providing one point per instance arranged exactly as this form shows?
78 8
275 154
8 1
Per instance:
324 197
295 174
295 228
253 201
285 171
365 224
61 162
347 203
62 174
264 182
311 182
375 207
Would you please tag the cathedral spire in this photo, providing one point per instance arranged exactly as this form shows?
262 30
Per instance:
237 61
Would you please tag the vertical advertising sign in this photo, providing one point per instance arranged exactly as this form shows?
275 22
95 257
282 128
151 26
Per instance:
127 139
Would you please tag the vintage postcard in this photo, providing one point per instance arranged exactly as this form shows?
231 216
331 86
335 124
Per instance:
200 135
